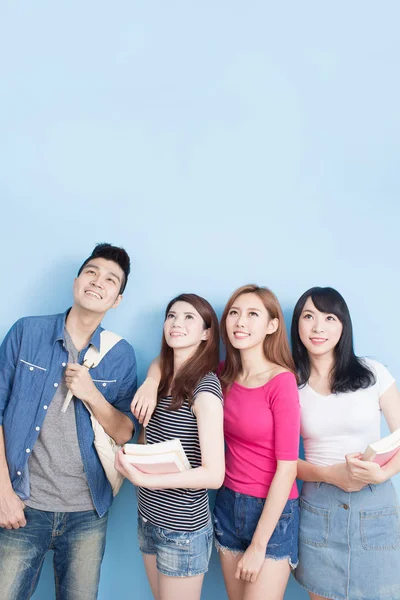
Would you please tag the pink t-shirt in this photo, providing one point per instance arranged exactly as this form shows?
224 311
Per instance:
262 425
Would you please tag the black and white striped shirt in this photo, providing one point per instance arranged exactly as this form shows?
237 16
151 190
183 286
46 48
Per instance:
178 509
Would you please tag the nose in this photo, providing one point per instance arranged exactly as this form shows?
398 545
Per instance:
318 328
240 321
96 282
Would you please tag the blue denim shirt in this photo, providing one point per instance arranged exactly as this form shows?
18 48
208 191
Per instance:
32 363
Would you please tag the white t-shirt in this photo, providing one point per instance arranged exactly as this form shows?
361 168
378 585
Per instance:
339 424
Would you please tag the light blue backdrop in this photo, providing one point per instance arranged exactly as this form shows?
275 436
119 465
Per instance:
220 142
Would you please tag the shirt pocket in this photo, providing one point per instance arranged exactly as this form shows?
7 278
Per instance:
29 379
107 387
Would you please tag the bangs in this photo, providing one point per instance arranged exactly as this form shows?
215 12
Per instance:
328 300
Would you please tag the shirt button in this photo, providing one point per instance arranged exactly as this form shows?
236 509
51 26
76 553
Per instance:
45 407
37 428
104 384
64 364
18 473
27 450
346 506
31 368
55 384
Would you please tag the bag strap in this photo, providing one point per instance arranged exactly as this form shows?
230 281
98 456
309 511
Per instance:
93 357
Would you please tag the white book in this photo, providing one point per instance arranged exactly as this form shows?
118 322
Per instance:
163 457
384 449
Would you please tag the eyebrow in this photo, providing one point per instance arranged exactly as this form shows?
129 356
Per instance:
237 308
172 312
92 266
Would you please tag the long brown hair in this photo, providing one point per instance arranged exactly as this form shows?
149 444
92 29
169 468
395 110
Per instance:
204 360
276 345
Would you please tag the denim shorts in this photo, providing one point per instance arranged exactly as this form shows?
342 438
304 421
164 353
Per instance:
236 517
178 553
349 546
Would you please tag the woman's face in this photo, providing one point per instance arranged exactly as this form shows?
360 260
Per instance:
319 331
248 322
184 327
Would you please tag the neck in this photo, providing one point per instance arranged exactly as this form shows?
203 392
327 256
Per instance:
181 355
321 366
254 361
81 325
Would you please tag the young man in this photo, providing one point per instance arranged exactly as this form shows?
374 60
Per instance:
53 490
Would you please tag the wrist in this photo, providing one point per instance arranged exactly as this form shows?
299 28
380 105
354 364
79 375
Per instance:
93 398
259 543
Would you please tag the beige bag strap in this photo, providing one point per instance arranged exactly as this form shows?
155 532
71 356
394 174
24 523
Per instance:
108 339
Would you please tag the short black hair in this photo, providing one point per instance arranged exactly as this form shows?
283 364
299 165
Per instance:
349 373
114 253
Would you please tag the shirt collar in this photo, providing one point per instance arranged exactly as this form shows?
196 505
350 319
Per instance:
60 326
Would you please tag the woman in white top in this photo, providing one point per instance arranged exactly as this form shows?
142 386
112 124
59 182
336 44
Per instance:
349 547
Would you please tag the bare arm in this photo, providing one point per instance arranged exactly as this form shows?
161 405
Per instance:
11 506
145 399
210 475
337 474
115 423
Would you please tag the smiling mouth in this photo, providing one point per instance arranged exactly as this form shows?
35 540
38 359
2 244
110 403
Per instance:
240 335
93 294
318 340
176 334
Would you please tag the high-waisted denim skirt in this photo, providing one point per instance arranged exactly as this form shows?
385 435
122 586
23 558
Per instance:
349 542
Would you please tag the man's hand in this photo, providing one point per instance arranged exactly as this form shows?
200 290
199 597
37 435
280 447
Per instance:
11 511
80 383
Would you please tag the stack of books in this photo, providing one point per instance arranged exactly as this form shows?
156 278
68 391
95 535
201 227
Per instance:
161 458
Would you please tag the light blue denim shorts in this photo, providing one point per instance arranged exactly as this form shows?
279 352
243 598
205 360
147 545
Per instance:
349 542
178 553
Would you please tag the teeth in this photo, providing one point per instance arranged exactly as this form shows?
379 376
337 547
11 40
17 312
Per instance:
94 295
241 335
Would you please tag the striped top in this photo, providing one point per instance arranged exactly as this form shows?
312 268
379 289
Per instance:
178 509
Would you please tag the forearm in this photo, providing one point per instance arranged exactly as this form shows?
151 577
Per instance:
154 371
114 422
278 495
392 467
195 479
5 482
308 472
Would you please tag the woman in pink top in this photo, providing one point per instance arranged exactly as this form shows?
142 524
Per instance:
256 511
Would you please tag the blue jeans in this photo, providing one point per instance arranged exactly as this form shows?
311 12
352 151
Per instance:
78 540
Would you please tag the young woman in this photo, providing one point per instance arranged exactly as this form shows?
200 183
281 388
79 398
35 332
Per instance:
256 510
174 523
349 515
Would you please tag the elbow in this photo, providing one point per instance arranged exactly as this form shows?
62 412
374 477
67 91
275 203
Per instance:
216 479
124 436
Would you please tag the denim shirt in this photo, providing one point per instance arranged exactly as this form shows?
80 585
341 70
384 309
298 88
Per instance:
32 364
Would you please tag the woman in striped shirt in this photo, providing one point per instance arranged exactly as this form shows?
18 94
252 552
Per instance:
174 523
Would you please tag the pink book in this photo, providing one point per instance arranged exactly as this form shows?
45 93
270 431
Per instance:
384 449
158 459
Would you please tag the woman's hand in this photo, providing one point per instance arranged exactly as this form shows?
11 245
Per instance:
123 465
145 401
250 564
341 476
364 471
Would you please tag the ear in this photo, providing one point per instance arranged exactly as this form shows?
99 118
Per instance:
272 326
206 335
117 301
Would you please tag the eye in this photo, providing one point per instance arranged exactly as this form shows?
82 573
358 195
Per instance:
233 312
308 317
189 316
111 280
252 313
91 272
330 318
170 316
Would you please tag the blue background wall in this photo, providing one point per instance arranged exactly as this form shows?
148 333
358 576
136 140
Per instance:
220 143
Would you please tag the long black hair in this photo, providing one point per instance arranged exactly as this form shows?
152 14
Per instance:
349 373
